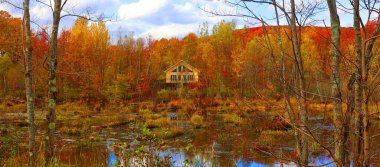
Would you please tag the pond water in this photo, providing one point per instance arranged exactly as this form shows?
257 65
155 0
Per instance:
219 144
224 146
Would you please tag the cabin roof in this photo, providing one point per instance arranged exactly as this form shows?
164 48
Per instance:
182 62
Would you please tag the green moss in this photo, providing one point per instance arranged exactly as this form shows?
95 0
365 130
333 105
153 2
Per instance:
52 103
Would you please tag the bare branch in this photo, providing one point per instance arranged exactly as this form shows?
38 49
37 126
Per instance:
11 4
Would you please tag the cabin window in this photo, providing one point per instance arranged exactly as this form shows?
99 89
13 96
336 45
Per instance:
173 77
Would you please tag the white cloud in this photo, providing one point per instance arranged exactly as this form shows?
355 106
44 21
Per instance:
170 30
39 12
140 9
187 7
2 7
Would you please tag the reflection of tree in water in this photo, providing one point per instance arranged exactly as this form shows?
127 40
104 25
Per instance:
216 145
145 151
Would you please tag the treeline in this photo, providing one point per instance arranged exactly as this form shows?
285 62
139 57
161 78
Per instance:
233 62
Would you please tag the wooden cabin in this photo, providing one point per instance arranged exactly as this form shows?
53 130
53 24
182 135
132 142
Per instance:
181 72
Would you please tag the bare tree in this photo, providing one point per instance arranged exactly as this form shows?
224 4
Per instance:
339 136
57 8
285 93
53 90
364 45
369 44
297 17
358 87
28 77
29 84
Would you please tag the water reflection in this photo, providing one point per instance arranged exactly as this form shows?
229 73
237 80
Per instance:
112 159
182 158
219 145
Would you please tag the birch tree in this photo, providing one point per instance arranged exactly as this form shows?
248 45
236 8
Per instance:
336 84
29 84
53 90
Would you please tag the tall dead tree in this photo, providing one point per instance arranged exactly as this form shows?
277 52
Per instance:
285 93
339 136
52 69
53 90
29 84
358 88
304 10
302 95
364 46
367 58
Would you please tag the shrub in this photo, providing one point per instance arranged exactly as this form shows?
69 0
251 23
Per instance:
9 144
316 148
146 114
196 120
163 95
233 118
157 123
168 133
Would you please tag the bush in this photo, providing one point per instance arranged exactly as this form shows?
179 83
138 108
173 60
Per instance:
146 114
316 148
158 123
163 95
9 144
197 121
168 133
233 118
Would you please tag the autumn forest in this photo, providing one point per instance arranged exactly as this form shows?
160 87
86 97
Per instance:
291 94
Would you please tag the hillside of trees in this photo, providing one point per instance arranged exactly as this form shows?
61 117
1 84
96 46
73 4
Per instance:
233 62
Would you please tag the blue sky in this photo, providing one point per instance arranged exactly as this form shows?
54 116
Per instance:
159 18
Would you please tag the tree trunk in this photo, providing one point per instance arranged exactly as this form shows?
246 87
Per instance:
29 86
285 95
356 148
348 115
366 66
336 84
304 157
53 61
